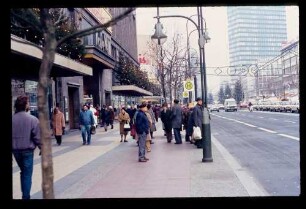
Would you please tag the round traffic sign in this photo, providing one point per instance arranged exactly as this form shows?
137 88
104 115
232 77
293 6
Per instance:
185 94
188 85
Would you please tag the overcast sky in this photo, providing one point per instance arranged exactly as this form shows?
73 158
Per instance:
216 51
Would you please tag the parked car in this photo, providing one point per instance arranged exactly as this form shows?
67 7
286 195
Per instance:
221 106
295 106
214 108
243 105
283 106
276 106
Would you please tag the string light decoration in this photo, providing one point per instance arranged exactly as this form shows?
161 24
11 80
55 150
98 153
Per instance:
20 26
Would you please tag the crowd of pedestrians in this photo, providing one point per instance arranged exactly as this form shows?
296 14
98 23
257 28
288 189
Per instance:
139 120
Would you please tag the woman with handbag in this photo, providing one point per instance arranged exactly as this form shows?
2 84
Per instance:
123 119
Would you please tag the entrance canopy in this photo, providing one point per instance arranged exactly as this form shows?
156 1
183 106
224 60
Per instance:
130 90
153 99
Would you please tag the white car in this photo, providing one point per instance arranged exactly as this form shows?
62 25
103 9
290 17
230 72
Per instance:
230 105
214 108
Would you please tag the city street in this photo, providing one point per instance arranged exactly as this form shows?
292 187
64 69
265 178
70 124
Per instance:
254 154
264 143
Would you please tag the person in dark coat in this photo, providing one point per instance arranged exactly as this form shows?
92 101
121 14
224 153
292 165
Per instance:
165 116
112 116
102 116
197 114
177 121
107 118
185 121
189 126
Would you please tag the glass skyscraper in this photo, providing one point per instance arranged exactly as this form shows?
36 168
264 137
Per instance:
254 33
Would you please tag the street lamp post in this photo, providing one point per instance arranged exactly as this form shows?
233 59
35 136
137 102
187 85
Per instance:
189 63
161 38
206 141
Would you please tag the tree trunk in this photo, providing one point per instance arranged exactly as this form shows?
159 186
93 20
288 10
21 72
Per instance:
43 84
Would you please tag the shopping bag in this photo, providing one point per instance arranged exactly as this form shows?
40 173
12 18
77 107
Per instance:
126 127
133 130
93 130
197 135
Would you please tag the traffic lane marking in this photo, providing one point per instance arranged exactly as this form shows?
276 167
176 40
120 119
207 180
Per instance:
263 129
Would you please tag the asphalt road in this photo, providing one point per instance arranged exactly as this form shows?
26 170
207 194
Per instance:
266 144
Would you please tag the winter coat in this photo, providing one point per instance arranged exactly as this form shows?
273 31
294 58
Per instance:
123 118
166 119
142 123
197 114
58 122
176 116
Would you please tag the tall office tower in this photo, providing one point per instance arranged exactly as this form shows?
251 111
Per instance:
254 33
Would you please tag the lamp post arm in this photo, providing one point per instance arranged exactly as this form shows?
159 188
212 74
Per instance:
167 16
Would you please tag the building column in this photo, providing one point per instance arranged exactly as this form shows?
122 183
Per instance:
106 87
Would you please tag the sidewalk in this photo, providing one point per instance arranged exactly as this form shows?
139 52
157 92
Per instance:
110 169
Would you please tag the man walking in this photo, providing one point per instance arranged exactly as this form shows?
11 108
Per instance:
198 119
25 138
86 121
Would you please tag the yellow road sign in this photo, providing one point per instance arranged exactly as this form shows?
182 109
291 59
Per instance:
185 94
188 85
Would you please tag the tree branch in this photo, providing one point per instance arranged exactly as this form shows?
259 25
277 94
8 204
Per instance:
35 25
18 26
61 17
95 28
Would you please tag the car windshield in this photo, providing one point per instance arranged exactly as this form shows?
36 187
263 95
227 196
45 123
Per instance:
231 103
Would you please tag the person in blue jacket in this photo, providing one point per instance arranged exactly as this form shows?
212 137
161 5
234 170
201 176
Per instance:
142 130
86 121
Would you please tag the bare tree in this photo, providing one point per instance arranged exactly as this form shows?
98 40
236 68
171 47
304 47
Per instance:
47 25
173 62
157 55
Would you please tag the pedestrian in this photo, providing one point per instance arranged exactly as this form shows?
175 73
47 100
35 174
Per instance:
177 121
156 111
102 116
134 123
189 129
198 119
142 130
250 105
148 139
98 108
152 126
94 113
123 118
58 124
165 117
86 121
25 138
111 117
106 118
